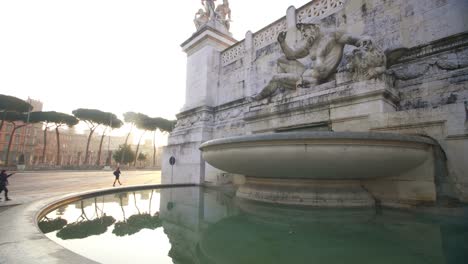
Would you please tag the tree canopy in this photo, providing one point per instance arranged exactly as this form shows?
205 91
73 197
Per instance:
136 223
116 123
11 103
142 156
155 123
134 118
94 116
86 228
124 154
14 116
53 117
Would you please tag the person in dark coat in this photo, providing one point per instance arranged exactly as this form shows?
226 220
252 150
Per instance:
4 182
117 176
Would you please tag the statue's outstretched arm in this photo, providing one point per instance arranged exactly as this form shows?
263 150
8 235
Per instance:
292 54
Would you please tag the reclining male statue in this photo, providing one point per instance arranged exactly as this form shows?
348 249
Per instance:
324 47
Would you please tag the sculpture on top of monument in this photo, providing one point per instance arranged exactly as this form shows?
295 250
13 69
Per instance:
219 17
201 18
325 48
209 8
223 13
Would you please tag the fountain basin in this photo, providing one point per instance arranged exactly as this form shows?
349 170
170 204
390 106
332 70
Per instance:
318 155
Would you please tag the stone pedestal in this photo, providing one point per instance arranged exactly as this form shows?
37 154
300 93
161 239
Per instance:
340 105
203 61
317 193
195 122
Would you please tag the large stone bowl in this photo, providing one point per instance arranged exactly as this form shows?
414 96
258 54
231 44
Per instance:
318 155
315 168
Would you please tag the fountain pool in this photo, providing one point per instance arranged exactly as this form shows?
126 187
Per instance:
203 225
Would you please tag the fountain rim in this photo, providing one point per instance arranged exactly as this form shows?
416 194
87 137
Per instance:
319 135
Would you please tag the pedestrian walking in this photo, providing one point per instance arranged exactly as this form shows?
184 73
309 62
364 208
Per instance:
4 182
117 176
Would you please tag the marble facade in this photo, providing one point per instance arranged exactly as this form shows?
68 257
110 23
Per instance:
424 91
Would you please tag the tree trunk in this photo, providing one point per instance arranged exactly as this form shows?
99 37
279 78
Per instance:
45 145
138 147
135 200
3 120
98 162
109 152
58 161
154 148
151 199
125 144
86 160
10 142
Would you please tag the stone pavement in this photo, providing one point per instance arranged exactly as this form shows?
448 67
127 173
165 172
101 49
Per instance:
31 186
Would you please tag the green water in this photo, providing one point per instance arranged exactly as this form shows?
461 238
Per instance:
197 225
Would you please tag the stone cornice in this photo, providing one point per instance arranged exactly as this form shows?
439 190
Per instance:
205 34
324 99
434 47
194 111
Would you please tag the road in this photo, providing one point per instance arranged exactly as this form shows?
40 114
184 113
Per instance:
30 186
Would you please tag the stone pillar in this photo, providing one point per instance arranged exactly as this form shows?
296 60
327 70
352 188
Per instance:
195 122
249 64
203 61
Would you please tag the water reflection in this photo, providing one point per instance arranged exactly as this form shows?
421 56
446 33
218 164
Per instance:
196 225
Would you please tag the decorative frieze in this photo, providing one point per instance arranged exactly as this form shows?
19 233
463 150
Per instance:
229 114
194 117
450 43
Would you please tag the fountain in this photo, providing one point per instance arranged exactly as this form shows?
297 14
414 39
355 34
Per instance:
265 107
324 169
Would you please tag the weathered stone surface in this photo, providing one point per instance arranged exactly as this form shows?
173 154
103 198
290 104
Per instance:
425 91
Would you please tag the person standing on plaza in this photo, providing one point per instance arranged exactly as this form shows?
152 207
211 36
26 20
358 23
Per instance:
117 176
4 182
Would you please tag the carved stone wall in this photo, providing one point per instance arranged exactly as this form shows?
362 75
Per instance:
247 65
434 74
426 91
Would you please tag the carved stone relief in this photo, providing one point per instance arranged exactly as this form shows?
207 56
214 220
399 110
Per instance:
191 120
229 114
366 61
444 62
324 47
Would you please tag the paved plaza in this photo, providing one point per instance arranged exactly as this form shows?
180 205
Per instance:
31 186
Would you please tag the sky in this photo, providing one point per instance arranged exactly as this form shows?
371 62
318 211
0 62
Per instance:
112 55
